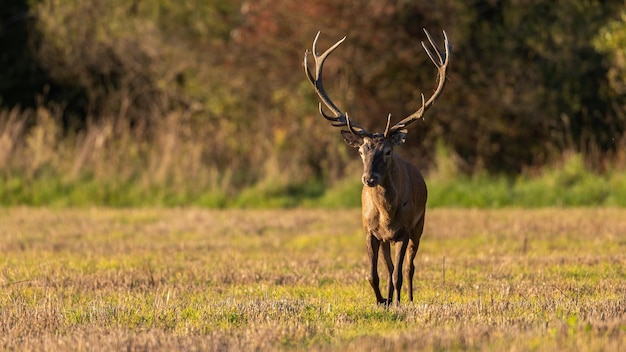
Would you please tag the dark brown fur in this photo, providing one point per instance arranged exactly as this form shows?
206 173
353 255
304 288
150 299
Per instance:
393 204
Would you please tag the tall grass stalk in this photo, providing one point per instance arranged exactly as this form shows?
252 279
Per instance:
186 161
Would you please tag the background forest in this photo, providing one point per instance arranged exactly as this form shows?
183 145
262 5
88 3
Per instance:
205 102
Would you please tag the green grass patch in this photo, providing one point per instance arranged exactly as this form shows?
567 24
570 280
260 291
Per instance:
567 185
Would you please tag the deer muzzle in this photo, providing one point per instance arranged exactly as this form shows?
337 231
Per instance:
371 180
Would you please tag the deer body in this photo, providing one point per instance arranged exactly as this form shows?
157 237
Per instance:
391 208
394 194
396 204
393 205
394 211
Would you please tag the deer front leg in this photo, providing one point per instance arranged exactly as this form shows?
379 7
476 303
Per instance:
397 272
373 244
386 248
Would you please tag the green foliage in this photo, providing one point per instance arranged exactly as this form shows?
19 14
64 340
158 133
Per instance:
573 185
568 185
345 194
164 102
268 195
612 40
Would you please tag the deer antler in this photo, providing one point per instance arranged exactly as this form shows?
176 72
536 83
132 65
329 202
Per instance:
340 119
441 61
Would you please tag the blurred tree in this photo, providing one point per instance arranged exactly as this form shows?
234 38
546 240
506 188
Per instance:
611 40
136 61
527 81
24 81
20 75
532 82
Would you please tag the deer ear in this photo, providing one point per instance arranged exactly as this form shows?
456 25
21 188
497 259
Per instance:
352 139
398 137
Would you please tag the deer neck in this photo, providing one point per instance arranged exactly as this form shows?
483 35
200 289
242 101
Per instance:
385 195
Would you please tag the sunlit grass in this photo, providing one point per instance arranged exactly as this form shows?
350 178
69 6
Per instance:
183 279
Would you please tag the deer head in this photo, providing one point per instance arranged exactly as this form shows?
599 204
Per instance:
376 153
376 149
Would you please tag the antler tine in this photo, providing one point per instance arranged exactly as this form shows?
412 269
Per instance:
387 126
441 60
337 122
339 119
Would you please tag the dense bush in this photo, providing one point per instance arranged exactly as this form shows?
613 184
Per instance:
211 93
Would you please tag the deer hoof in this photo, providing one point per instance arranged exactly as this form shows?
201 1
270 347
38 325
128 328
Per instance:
384 302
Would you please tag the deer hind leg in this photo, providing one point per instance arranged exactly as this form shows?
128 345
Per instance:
373 245
397 272
386 248
414 243
410 266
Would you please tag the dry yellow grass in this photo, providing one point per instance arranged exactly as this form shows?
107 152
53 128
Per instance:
192 279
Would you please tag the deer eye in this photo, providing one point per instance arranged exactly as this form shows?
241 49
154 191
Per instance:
388 152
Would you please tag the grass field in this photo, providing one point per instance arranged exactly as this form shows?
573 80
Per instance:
192 279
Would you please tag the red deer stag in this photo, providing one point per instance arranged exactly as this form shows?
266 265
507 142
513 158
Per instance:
394 193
